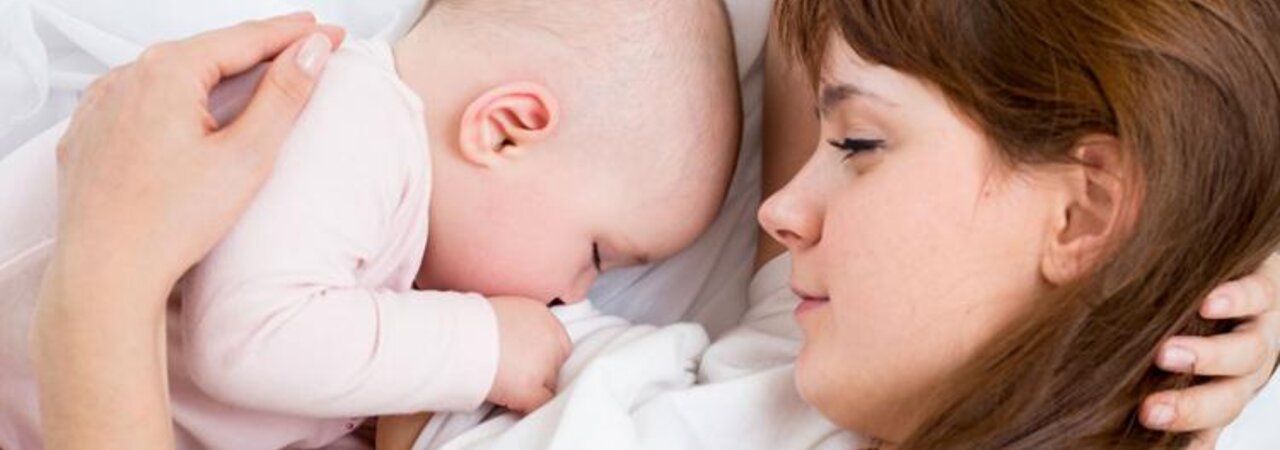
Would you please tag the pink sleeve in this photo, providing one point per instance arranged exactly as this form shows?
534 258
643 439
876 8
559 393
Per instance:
289 313
341 352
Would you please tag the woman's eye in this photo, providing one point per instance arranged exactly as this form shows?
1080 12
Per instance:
853 147
595 256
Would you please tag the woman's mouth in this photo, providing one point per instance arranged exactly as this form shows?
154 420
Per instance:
808 301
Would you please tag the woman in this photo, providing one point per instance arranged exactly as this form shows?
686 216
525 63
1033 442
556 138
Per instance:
1014 203
87 412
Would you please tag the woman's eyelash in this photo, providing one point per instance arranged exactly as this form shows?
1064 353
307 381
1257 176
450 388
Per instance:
595 256
853 147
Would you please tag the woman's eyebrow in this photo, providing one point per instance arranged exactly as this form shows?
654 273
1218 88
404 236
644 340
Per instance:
832 94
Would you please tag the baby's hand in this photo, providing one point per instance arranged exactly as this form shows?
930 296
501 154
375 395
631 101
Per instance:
532 344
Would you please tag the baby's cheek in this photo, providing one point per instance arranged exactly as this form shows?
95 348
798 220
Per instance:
539 282
532 263
577 290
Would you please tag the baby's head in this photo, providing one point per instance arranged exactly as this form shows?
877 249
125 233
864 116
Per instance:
570 136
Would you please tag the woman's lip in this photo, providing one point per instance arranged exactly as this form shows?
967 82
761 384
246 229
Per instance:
808 305
808 297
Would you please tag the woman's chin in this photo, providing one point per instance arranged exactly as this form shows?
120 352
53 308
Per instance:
851 406
808 380
804 386
811 390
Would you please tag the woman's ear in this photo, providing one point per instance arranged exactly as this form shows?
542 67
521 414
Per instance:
1097 207
505 121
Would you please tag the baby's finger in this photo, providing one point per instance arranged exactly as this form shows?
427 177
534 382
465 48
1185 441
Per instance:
1212 405
1239 299
566 345
1238 353
552 381
531 400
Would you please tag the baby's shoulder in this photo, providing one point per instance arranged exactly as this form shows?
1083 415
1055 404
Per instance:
360 83
359 116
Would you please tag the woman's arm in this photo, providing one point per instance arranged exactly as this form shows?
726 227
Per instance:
147 186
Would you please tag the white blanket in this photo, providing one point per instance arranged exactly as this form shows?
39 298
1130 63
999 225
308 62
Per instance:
642 387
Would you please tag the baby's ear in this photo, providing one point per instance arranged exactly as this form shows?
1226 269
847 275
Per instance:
1098 204
505 121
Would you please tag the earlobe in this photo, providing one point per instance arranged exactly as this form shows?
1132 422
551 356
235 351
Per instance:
506 121
1094 212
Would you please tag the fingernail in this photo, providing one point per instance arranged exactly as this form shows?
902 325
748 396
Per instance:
298 15
1160 416
313 54
1177 358
1217 306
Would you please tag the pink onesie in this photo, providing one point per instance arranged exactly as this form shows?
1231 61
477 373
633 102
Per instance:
303 319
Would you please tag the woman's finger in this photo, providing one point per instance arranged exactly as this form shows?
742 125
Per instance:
1238 353
1202 407
1239 299
280 96
229 51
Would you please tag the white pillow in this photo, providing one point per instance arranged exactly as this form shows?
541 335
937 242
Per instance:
707 283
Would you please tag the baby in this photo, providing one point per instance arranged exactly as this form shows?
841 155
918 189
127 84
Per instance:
433 197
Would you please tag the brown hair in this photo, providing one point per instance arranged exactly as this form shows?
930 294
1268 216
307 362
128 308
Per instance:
1192 90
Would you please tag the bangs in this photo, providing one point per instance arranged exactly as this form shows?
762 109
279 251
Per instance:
986 57
803 27
901 34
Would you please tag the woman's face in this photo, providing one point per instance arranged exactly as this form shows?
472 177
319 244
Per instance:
911 242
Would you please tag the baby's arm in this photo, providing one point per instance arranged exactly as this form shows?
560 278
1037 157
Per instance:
275 320
400 432
286 314
279 317
322 351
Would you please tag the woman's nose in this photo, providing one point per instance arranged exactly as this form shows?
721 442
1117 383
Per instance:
791 220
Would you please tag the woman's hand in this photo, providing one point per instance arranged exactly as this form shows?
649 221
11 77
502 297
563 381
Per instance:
1242 360
147 179
148 184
